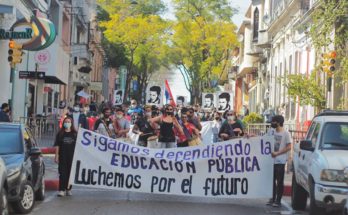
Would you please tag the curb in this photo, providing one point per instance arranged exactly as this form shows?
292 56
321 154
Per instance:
48 150
53 185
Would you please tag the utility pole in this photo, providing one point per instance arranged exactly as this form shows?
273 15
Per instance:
36 88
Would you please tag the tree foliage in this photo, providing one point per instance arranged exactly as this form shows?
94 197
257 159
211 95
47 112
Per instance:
202 41
141 32
306 89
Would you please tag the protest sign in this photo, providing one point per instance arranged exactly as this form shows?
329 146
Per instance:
240 168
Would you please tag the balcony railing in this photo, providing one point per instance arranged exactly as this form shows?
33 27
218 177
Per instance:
80 51
280 8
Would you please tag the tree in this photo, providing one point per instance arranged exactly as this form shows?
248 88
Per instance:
136 28
308 90
202 41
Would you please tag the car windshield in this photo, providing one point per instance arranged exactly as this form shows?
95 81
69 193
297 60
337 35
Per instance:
10 141
335 136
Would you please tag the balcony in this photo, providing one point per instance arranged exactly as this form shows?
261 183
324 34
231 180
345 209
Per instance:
80 51
279 8
254 50
263 40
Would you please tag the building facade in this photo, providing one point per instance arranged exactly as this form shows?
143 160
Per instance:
275 43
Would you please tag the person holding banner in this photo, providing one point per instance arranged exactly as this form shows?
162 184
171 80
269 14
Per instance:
121 125
167 124
282 146
191 135
231 128
105 125
65 146
143 127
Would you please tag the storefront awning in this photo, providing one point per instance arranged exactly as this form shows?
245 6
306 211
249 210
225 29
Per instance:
53 80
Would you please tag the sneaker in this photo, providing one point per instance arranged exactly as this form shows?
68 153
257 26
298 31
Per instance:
277 204
61 193
270 202
68 193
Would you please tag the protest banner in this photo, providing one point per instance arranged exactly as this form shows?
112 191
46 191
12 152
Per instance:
239 168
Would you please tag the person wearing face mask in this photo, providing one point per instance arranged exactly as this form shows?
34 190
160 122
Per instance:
231 128
105 125
4 113
143 127
121 125
282 146
65 146
80 119
134 108
216 125
167 124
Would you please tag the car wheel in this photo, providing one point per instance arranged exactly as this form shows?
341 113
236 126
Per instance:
298 195
3 202
27 201
314 209
40 193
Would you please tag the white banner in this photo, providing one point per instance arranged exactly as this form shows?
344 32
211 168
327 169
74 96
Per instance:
240 168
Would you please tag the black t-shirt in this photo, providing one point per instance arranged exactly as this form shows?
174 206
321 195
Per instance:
228 129
66 142
145 127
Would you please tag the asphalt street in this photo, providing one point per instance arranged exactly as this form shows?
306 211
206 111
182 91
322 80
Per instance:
91 201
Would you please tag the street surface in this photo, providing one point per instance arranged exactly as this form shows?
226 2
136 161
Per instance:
90 201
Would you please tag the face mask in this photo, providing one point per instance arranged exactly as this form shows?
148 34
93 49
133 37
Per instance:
76 109
148 114
67 125
133 106
169 113
274 125
106 115
86 109
231 118
175 113
119 116
217 118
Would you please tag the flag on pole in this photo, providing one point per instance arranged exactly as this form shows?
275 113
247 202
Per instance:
169 95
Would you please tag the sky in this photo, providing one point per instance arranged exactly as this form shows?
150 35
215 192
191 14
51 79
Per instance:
175 79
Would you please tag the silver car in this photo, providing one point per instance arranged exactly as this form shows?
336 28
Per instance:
3 189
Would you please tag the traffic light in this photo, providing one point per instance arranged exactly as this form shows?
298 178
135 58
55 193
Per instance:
14 53
329 62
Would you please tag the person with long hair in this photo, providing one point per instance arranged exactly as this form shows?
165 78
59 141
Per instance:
167 123
65 146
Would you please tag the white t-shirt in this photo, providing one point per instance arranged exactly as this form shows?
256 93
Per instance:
281 140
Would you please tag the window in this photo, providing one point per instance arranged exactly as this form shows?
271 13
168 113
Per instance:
310 131
315 135
335 136
10 141
256 24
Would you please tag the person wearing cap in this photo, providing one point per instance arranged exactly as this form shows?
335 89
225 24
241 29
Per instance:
282 146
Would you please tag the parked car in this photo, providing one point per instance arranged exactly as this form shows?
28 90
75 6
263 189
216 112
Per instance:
25 166
321 165
3 188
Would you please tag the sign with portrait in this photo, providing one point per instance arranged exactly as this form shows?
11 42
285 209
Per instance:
118 97
154 95
181 101
208 101
224 101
